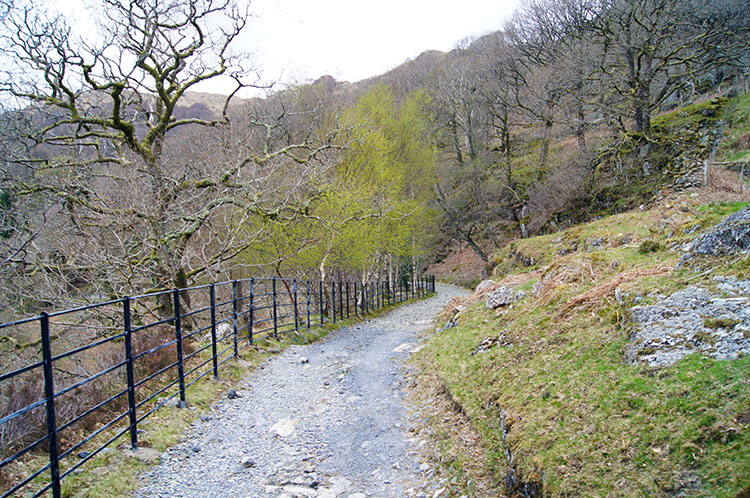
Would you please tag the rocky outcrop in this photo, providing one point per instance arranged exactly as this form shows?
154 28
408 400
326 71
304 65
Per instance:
731 236
693 320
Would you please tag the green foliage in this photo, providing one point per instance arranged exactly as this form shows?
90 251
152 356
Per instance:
648 246
373 204
692 117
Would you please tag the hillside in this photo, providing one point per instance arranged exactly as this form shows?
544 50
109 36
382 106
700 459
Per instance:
561 383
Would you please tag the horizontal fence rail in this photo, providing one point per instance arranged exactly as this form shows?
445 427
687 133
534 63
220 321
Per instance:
96 372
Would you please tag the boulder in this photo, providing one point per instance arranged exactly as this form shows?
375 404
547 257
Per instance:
484 284
501 296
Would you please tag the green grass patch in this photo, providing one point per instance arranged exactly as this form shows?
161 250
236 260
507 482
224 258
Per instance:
735 145
692 117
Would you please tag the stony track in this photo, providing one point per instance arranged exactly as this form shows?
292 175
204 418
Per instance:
326 420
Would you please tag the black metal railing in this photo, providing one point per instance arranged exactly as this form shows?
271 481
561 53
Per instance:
146 351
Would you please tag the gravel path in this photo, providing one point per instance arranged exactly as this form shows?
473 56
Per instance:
325 420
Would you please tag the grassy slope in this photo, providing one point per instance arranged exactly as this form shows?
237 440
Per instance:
736 143
582 421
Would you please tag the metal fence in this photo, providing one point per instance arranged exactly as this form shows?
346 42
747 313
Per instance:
90 375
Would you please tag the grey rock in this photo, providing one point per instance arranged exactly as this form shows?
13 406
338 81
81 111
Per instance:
501 296
451 323
233 394
731 236
646 168
483 285
145 455
304 360
690 321
222 330
488 343
174 403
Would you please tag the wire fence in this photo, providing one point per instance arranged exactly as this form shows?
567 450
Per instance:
728 175
87 376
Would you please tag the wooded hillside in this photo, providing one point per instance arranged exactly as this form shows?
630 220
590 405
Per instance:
117 179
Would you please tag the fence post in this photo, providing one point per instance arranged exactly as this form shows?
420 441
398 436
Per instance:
320 300
129 372
341 301
178 336
347 299
705 173
308 304
251 319
364 299
333 300
212 295
49 394
275 311
296 313
235 317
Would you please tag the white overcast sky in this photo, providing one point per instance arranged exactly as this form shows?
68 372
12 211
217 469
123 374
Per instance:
355 39
301 40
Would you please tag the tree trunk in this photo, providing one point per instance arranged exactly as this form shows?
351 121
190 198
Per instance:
520 215
324 306
580 130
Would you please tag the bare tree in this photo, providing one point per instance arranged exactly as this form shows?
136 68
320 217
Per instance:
650 49
144 198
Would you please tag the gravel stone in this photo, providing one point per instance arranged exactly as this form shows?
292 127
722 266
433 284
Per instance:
350 430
